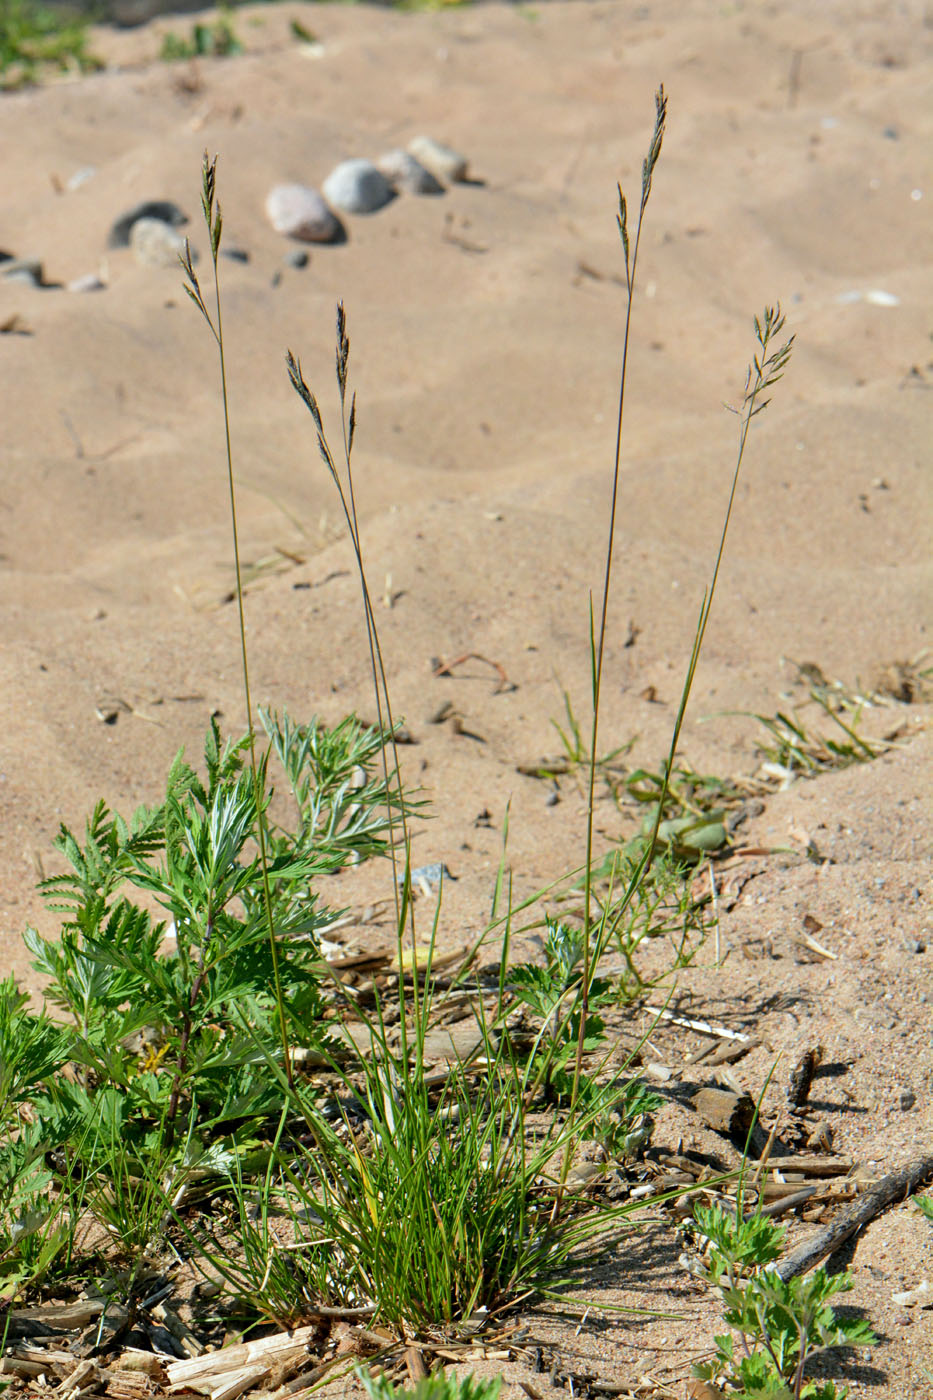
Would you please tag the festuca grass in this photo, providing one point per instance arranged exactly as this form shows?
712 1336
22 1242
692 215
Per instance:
214 1055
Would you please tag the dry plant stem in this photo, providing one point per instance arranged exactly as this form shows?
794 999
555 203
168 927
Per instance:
214 221
895 1186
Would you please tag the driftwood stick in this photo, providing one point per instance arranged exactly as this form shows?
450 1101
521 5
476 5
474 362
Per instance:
897 1185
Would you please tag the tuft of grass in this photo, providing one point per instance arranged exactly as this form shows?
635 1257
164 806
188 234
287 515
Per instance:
421 1199
217 40
37 38
792 749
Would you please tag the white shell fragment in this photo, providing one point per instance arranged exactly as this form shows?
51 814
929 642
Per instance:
922 1295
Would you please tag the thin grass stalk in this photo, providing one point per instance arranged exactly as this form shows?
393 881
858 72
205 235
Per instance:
214 220
598 641
766 369
404 905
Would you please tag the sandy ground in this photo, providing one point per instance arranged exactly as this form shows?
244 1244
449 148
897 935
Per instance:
486 330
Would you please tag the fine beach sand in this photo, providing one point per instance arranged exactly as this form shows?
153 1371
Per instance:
486 328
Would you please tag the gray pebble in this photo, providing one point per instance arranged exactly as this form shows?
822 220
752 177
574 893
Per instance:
297 257
443 162
427 879
907 1099
25 270
156 244
239 255
357 187
403 172
300 212
162 209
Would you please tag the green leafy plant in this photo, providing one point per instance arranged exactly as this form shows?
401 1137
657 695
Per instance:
780 1324
164 1024
552 993
436 1387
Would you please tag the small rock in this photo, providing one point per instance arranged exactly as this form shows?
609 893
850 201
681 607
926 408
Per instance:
357 187
162 209
404 172
156 243
300 212
297 257
427 879
239 255
907 1099
446 164
26 270
90 282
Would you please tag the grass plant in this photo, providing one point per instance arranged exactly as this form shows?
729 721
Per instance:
36 38
217 40
793 749
378 1187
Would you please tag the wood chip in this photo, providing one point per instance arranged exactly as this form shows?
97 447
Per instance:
85 1375
728 1054
198 1372
725 1111
801 1076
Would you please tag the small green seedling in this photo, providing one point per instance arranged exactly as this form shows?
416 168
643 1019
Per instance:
780 1324
437 1387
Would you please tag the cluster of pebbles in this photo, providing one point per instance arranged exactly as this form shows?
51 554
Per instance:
151 229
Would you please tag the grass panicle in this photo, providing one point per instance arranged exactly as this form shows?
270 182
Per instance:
213 219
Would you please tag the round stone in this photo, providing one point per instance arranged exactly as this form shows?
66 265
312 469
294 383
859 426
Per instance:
446 164
300 212
156 244
357 187
26 270
162 209
403 172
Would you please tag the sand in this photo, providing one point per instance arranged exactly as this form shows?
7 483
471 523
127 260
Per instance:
486 329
